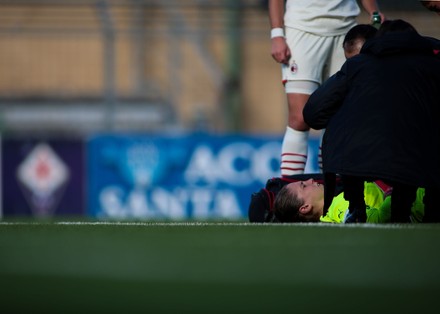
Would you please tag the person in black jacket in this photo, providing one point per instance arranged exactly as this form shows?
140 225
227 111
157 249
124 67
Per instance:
381 116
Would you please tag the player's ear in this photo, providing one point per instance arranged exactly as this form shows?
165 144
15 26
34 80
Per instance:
305 208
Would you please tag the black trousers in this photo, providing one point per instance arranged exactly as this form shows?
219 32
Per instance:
402 199
354 194
432 207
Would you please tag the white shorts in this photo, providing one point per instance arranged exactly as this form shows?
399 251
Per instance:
314 59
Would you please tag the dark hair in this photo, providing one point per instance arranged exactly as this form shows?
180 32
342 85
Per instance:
361 31
286 206
395 26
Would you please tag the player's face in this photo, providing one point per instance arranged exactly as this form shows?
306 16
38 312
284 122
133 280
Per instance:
310 191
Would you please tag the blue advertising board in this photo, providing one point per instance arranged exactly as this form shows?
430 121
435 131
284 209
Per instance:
196 176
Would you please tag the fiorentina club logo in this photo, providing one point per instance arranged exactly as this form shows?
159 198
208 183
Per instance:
43 176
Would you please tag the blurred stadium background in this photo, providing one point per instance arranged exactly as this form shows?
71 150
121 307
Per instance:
143 109
132 135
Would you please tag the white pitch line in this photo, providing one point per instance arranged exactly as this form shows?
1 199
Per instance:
232 224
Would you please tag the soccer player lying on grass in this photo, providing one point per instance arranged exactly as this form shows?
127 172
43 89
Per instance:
301 199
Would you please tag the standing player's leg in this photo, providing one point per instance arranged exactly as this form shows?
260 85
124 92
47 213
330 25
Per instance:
301 77
295 142
312 58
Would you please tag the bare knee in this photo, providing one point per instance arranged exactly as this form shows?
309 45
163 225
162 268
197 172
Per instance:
296 122
296 104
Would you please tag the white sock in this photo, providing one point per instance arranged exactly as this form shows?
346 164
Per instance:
294 152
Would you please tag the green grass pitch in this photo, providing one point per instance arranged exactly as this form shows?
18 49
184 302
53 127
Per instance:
218 268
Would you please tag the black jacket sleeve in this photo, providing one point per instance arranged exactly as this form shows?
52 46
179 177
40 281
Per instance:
326 100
